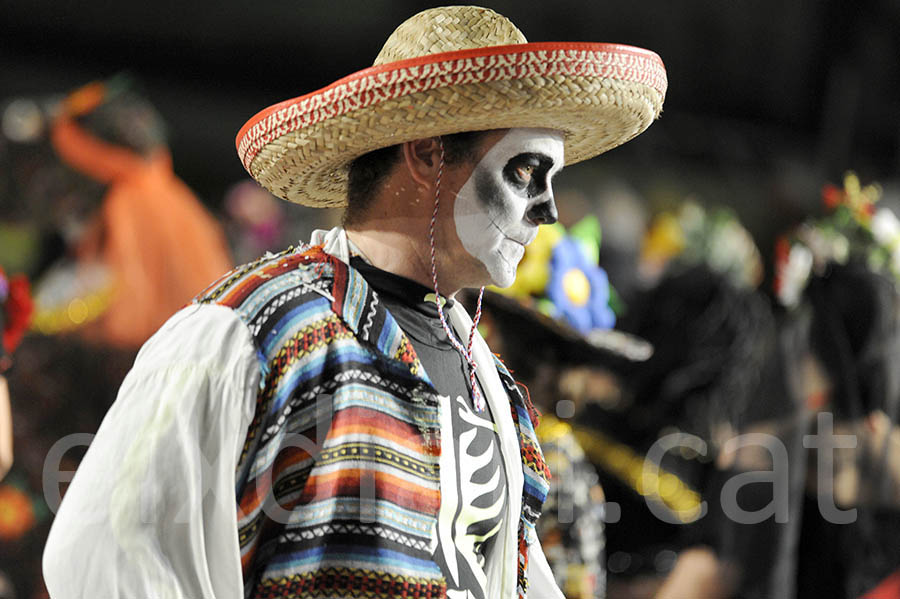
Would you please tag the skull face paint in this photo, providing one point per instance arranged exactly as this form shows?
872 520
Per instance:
498 209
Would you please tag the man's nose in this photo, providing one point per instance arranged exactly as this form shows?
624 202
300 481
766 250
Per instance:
543 213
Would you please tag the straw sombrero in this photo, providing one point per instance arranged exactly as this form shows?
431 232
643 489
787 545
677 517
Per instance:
448 70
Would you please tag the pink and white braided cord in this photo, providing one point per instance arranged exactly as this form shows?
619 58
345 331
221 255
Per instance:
477 397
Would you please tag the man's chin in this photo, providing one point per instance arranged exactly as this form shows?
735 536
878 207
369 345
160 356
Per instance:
503 279
502 272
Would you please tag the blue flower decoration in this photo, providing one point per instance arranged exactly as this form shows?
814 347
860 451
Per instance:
578 288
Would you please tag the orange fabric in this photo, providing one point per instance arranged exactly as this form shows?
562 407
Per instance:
91 156
159 242
888 589
85 99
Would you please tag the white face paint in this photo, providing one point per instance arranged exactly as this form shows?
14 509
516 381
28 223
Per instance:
498 209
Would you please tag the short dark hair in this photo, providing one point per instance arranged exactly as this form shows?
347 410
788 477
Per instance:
368 172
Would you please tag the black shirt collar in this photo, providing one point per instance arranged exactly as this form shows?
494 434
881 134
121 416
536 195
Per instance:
406 291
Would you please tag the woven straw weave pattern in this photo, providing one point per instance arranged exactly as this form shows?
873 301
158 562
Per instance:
598 95
448 29
300 153
361 93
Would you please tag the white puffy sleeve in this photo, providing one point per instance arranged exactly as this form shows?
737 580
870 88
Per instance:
541 584
151 511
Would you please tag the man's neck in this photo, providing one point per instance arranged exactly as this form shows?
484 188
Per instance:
390 250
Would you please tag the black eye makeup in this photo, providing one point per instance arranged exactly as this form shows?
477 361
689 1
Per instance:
528 172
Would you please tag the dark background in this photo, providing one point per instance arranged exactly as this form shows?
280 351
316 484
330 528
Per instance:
767 99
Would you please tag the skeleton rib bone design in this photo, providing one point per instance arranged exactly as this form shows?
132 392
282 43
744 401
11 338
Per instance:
473 490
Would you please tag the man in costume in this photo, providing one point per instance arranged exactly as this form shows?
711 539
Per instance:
327 421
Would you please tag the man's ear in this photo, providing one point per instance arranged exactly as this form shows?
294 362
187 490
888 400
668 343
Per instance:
422 158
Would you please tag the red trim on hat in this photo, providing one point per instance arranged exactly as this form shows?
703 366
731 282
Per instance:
455 55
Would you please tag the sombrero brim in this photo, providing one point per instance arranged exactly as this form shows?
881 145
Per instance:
598 95
537 329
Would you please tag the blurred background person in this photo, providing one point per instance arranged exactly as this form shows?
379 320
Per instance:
837 277
114 243
713 336
15 315
694 343
125 243
257 222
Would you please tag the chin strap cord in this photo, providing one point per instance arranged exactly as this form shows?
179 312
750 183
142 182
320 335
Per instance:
466 352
